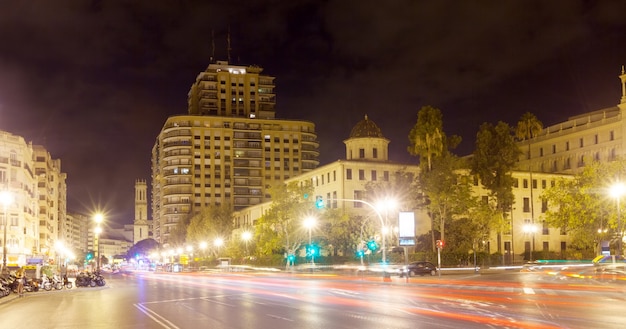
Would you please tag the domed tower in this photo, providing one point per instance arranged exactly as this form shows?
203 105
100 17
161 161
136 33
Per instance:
366 142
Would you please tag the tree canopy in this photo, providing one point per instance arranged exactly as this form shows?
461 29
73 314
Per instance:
584 207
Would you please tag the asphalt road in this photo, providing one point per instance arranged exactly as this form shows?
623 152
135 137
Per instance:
306 301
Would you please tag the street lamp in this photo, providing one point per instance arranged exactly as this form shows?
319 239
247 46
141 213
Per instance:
218 242
6 198
246 236
97 232
531 229
386 204
98 219
309 223
617 191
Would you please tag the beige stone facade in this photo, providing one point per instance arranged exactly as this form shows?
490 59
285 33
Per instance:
228 149
342 183
567 146
36 215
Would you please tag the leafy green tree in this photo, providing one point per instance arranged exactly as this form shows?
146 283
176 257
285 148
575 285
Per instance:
428 141
582 205
142 248
495 156
342 230
178 235
528 127
212 222
448 188
280 229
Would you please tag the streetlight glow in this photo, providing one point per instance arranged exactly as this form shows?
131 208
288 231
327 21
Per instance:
385 205
617 191
98 218
6 198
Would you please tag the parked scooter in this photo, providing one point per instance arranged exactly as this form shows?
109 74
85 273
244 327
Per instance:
67 283
57 283
45 283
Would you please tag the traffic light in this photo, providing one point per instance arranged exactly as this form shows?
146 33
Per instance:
89 256
319 202
372 245
440 244
291 258
312 250
360 253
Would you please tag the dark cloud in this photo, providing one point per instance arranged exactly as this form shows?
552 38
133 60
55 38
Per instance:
93 81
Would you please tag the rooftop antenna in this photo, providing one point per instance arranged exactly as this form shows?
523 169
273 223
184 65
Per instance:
212 45
228 44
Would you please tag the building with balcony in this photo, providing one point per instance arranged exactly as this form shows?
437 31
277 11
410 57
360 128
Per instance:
230 90
568 146
227 150
343 182
35 215
53 224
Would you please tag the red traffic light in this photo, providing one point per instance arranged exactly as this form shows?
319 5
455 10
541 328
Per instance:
440 244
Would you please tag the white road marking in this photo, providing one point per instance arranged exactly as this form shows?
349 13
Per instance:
156 317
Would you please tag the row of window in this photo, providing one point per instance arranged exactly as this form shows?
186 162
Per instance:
581 144
373 175
579 162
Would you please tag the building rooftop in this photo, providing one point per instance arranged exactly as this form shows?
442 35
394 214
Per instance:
366 128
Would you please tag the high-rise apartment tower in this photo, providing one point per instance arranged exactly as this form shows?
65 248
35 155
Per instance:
229 148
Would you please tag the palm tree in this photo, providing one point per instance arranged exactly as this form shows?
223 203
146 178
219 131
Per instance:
427 141
528 127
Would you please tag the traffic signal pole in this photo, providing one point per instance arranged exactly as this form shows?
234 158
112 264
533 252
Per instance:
382 223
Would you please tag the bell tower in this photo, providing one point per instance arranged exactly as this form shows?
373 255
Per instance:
140 224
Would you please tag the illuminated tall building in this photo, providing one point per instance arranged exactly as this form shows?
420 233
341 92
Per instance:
52 189
36 213
229 148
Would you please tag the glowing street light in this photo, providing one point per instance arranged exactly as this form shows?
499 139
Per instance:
6 198
617 191
310 223
98 219
530 229
246 236
385 205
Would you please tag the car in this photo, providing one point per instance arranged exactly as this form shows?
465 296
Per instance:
419 268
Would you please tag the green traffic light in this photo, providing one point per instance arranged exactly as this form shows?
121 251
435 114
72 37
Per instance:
319 202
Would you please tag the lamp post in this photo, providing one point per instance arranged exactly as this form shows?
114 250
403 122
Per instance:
617 191
98 219
218 242
246 236
309 223
531 229
6 198
386 204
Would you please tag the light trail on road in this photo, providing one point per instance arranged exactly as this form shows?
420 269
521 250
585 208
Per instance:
498 304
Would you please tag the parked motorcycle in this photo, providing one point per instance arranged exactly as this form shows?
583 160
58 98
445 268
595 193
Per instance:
84 279
5 289
99 279
31 285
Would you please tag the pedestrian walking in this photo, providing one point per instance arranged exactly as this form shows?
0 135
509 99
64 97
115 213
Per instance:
21 278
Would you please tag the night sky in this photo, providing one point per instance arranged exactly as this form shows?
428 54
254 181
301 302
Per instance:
94 81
